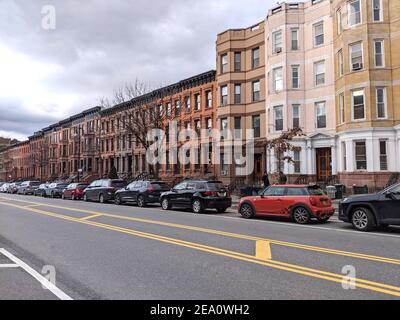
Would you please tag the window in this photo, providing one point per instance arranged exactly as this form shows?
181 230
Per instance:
208 124
275 191
187 104
296 115
238 61
277 42
295 77
255 58
356 56
379 53
381 103
224 63
340 63
208 99
339 21
224 164
319 72
358 105
377 10
168 109
197 102
177 108
354 12
319 33
256 91
224 128
321 115
344 153
296 161
341 107
295 39
383 155
238 93
197 127
361 155
278 112
256 126
238 127
224 95
278 79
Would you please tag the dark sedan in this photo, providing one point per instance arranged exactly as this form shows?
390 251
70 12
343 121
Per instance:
141 193
367 212
41 190
55 190
198 196
103 190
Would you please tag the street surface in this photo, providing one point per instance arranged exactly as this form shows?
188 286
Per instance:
124 252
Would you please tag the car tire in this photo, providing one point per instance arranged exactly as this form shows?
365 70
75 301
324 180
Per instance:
197 206
301 215
222 210
85 198
247 211
73 197
62 196
363 219
52 195
118 201
165 204
101 198
141 202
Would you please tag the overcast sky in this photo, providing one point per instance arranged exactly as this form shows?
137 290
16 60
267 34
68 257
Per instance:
99 45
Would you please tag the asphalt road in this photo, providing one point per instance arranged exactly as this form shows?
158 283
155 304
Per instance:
124 252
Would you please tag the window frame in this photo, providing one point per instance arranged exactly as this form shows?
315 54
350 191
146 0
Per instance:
255 62
254 96
380 11
352 104
296 67
274 43
274 72
224 66
384 102
292 40
315 35
349 16
351 46
382 42
317 105
316 64
355 155
278 119
237 96
383 155
296 106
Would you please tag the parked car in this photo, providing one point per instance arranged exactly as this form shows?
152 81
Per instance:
4 188
28 187
13 187
103 190
298 202
197 195
74 191
141 193
367 212
55 190
41 190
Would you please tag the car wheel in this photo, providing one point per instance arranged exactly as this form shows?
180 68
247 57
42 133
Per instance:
52 195
85 198
301 215
101 199
222 210
118 200
363 219
141 202
197 206
247 211
62 196
165 204
73 197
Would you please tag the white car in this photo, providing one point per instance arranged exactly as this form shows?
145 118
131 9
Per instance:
4 187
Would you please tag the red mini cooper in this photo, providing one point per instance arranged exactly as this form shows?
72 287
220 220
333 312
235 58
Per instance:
298 202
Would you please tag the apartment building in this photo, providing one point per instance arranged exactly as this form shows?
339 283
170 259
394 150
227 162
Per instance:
367 80
241 95
300 91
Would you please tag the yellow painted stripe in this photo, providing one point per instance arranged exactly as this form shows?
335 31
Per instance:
91 217
338 278
229 234
263 250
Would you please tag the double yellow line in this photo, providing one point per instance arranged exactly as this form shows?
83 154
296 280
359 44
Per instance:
259 259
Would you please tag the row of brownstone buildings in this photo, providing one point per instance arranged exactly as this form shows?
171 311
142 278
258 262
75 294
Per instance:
328 67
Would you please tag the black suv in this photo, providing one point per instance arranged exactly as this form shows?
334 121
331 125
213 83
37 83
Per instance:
197 195
141 192
103 190
366 212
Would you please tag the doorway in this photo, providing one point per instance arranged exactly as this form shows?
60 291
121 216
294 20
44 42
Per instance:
324 164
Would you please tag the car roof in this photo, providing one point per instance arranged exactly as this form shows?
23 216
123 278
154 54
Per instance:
291 185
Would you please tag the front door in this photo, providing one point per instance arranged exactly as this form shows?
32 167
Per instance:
324 164
258 173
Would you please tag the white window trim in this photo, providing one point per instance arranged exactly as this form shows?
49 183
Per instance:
341 109
381 11
298 76
339 21
274 42
283 117
387 155
298 105
315 73
274 79
355 155
384 100
352 106
382 41
362 56
315 35
316 115
340 63
348 14
297 39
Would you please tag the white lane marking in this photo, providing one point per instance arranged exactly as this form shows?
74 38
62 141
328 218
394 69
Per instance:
285 224
9 266
46 283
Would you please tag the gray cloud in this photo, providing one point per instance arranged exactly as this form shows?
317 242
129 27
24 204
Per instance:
99 45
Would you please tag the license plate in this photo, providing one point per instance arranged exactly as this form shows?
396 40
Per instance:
222 194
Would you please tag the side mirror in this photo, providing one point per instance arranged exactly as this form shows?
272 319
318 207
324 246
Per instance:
390 195
173 190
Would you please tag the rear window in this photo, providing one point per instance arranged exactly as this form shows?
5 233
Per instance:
215 186
118 184
82 186
316 191
160 186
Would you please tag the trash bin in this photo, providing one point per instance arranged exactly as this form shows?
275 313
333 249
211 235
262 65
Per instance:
360 190
331 191
340 191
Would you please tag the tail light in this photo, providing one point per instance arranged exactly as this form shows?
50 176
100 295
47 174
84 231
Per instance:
313 201
209 193
151 189
110 189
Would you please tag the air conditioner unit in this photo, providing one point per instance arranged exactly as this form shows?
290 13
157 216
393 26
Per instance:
278 50
357 66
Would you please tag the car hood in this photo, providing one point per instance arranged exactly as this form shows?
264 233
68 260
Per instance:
363 197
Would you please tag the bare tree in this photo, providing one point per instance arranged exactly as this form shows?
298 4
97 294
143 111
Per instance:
282 148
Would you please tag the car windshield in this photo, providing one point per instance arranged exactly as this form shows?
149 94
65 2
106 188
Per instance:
215 186
316 191
393 189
